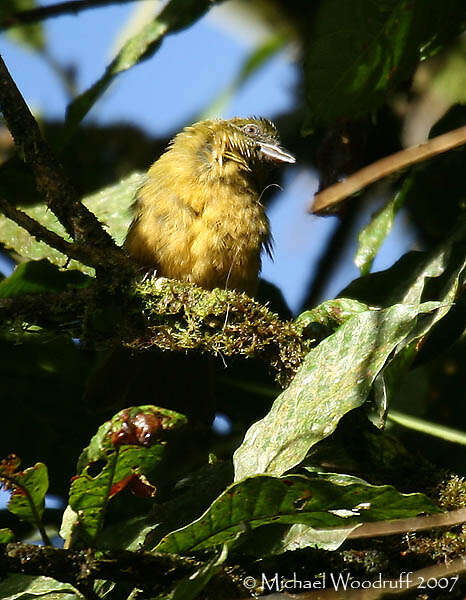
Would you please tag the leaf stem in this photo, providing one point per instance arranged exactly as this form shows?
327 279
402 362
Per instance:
445 433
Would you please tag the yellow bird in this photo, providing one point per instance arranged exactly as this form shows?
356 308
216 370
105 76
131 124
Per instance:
199 216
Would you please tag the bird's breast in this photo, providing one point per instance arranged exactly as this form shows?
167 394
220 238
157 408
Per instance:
208 233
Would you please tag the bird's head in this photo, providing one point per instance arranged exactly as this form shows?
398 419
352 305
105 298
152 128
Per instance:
222 147
255 140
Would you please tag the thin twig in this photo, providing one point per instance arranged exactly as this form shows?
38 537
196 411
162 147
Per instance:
378 528
50 178
61 8
43 234
333 195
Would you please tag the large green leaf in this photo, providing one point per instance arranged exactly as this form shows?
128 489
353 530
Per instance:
111 205
334 378
27 587
316 502
123 454
176 15
31 35
359 50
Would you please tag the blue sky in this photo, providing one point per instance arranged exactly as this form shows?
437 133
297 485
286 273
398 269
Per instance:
161 94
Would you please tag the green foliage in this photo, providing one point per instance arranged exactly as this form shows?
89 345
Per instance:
31 36
6 535
122 454
26 587
373 235
40 276
111 205
28 489
322 392
361 50
319 503
176 15
153 482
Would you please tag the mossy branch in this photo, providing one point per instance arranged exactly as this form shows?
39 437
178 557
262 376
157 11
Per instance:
169 315
78 566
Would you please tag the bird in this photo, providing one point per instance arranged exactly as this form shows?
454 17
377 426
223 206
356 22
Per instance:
199 215
198 218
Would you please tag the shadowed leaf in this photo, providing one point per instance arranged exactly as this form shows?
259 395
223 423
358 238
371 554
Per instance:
361 50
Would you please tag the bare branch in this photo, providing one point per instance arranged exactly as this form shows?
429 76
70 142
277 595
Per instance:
51 180
61 8
333 195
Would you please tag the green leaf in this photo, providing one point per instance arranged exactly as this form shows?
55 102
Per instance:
373 235
176 15
190 587
17 587
28 489
6 535
334 378
41 276
111 206
123 454
416 275
361 50
318 503
29 35
438 276
331 313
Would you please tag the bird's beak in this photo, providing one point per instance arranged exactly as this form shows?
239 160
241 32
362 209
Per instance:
276 153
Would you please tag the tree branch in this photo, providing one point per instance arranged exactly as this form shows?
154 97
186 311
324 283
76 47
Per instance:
333 195
171 315
61 8
76 567
51 180
43 234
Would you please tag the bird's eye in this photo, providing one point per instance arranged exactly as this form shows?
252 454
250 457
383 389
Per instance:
251 129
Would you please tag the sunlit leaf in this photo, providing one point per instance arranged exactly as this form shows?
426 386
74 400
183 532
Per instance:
372 236
331 313
28 488
318 503
334 378
112 206
123 454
